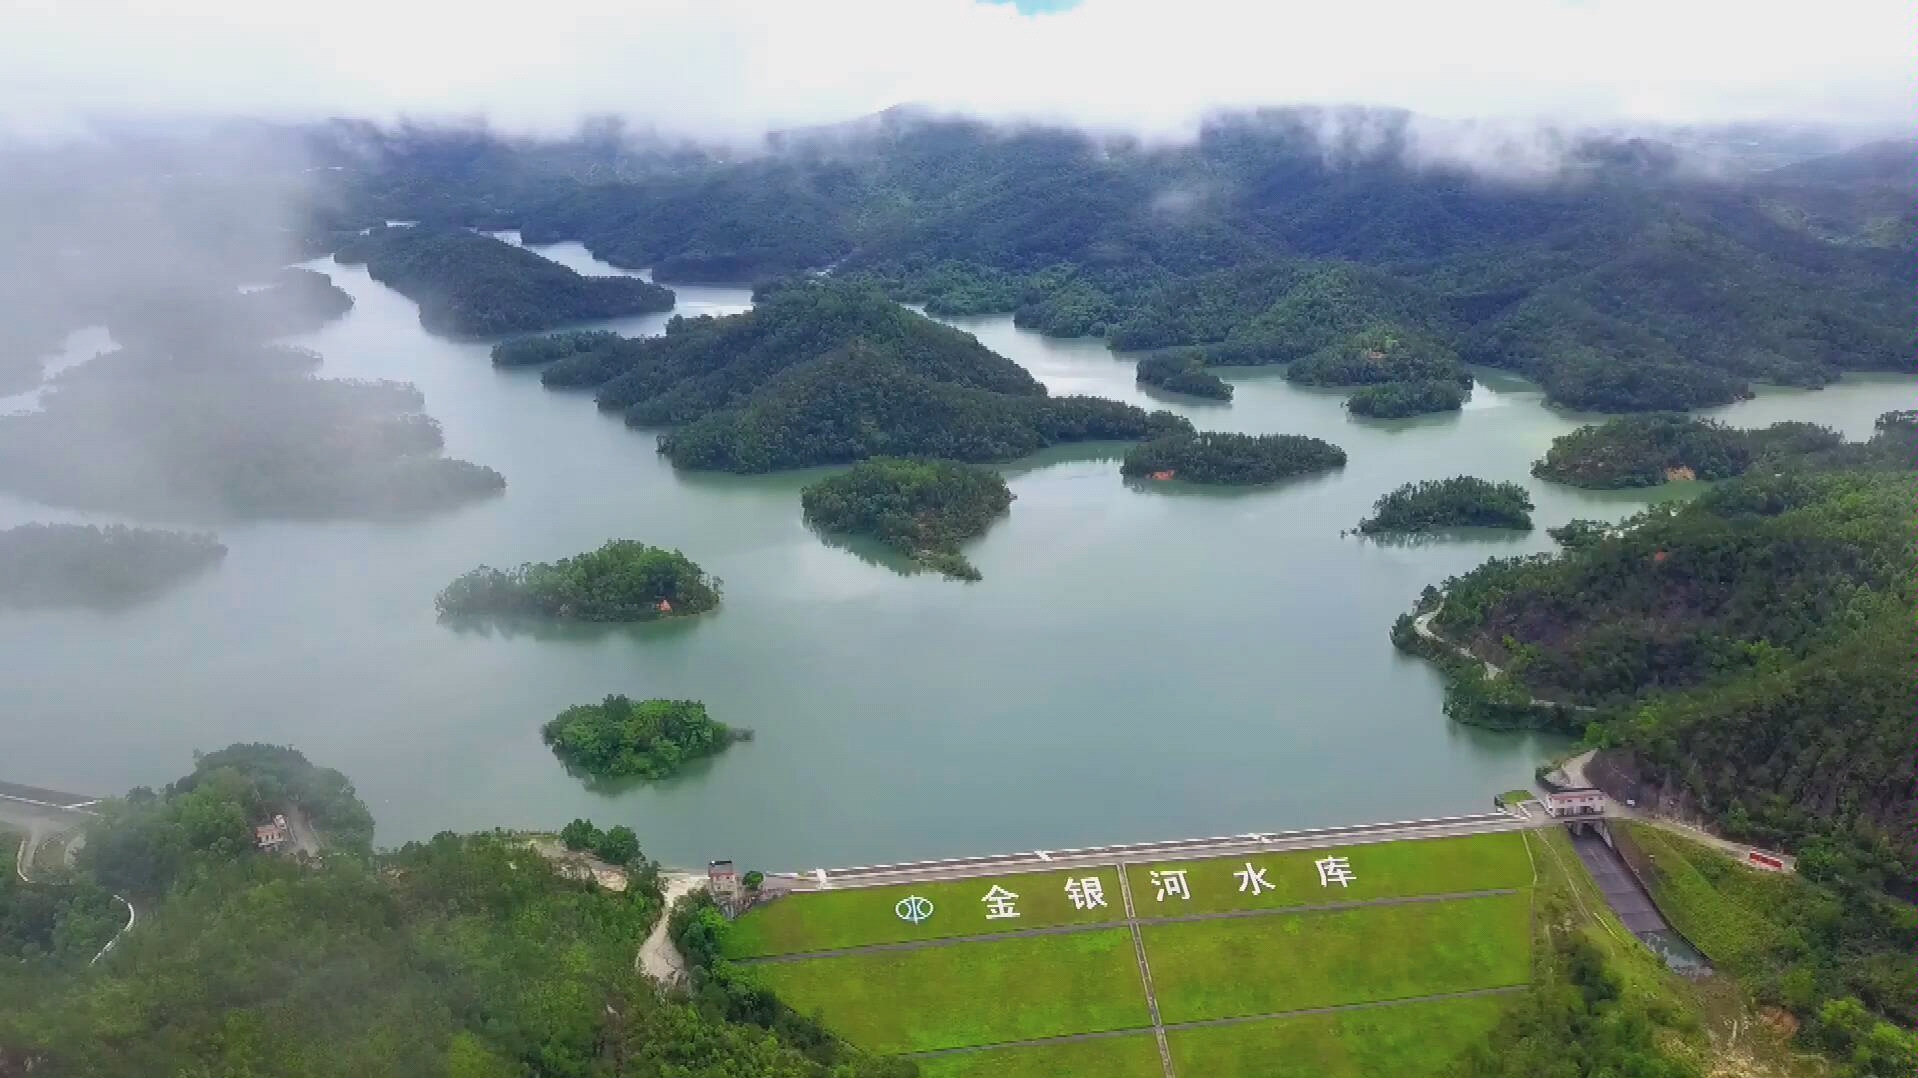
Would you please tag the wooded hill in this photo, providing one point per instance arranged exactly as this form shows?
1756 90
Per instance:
474 285
467 955
1626 280
1750 651
823 373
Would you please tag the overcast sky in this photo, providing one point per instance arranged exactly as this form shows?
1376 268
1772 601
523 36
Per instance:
736 67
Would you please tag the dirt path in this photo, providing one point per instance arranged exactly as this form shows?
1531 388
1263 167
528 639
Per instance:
1423 626
1573 771
658 958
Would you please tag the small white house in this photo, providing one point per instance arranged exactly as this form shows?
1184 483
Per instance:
1582 802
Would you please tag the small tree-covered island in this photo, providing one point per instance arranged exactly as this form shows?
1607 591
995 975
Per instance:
625 580
922 508
647 739
47 565
1460 502
1398 400
471 284
1231 459
1647 450
1183 373
825 372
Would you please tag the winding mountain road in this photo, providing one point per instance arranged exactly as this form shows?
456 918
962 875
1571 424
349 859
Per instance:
1423 626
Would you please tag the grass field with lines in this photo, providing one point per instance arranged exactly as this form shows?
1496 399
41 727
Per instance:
1269 965
1135 1055
1410 924
971 993
1413 1040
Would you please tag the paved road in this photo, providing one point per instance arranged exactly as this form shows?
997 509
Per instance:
1573 771
960 868
48 799
1423 626
31 842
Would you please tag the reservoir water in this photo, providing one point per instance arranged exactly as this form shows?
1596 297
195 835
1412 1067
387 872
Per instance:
1139 662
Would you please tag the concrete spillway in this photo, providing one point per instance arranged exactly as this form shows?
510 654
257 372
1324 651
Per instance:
1633 904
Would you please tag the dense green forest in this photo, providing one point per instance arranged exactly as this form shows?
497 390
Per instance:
1628 280
1183 373
53 924
922 508
625 580
216 430
648 739
468 956
474 285
827 373
1646 450
1231 459
534 351
1749 654
87 565
1460 502
1397 400
1379 355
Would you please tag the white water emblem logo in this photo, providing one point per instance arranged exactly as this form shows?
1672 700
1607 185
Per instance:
913 910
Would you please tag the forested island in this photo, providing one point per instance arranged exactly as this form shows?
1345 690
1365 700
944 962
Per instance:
466 955
46 565
1647 450
647 739
1183 373
216 429
1398 400
625 580
469 284
829 373
1460 502
1230 459
922 508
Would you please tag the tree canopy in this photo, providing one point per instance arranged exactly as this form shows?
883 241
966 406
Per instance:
1646 450
1460 502
922 508
1636 284
1748 652
1397 400
1232 459
828 373
648 739
471 284
1183 373
625 580
469 956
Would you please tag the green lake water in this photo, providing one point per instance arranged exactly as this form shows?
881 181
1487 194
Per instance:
1140 662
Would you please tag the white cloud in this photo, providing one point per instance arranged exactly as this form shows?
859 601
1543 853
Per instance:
731 67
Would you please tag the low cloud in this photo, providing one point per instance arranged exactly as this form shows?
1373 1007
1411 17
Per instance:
735 68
